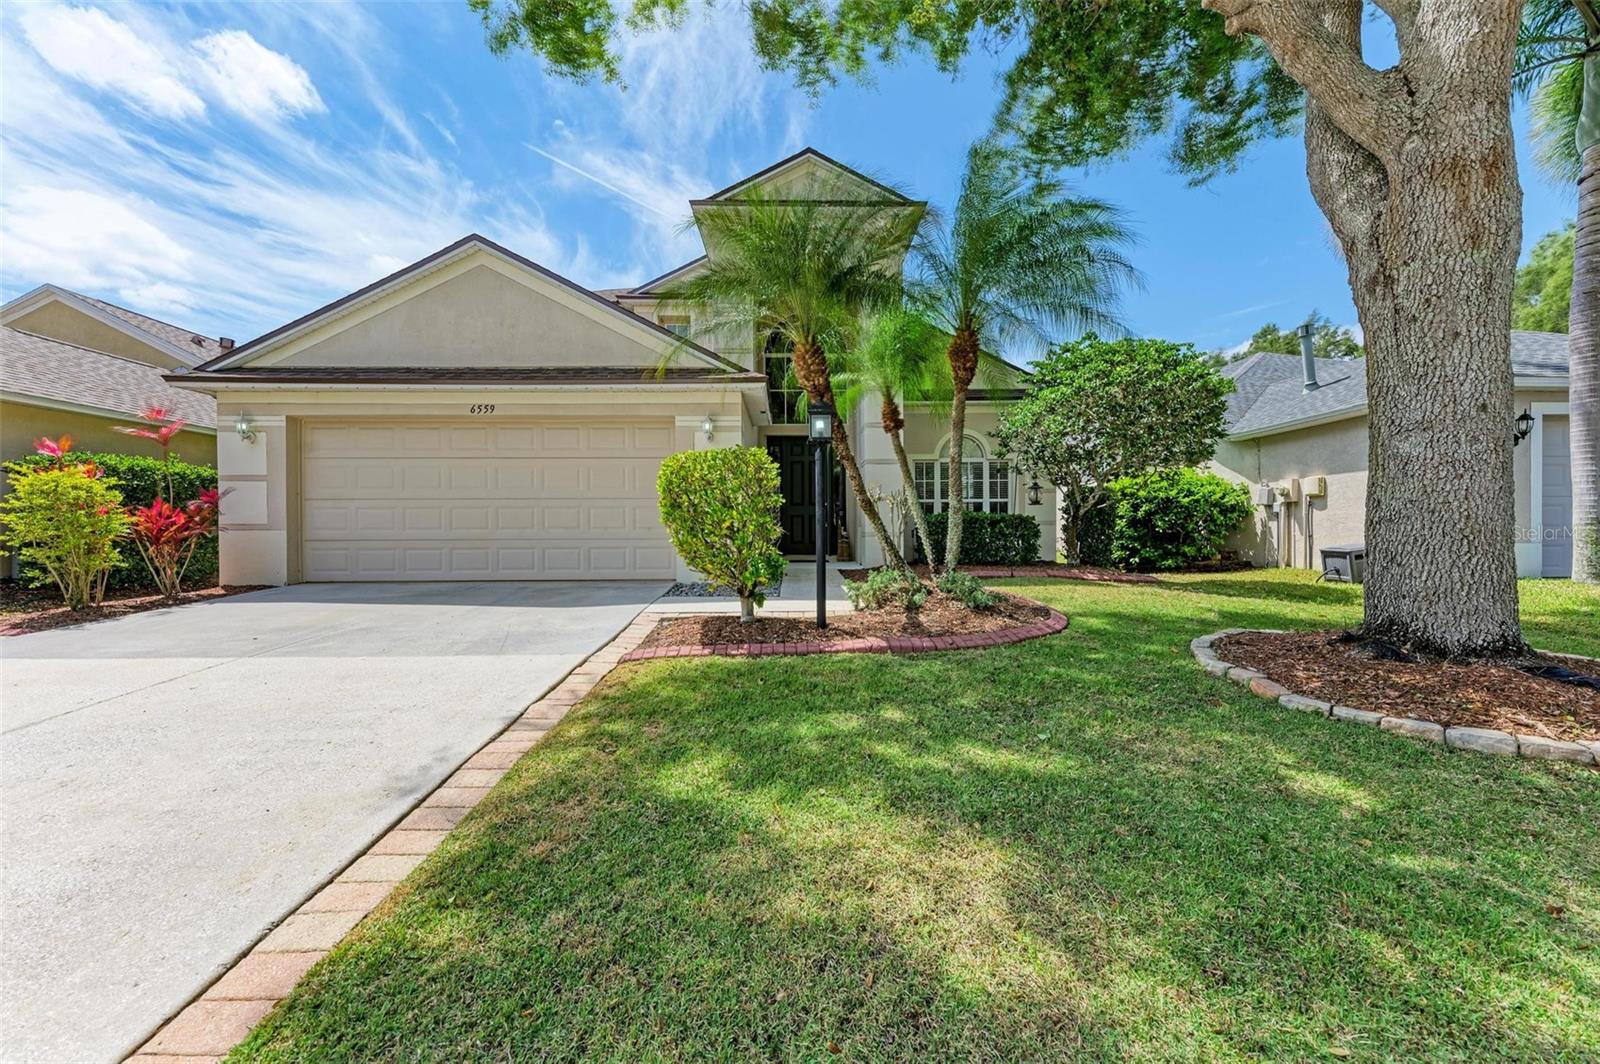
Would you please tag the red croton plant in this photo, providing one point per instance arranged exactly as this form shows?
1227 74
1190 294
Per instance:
166 534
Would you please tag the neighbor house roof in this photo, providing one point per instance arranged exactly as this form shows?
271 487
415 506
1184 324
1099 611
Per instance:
476 375
39 371
1269 389
185 345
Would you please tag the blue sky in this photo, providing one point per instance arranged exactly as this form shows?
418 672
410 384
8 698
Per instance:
231 166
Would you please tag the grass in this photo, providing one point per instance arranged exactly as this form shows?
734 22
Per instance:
1078 847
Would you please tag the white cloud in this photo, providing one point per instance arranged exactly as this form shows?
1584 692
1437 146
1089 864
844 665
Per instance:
255 81
160 297
88 239
101 52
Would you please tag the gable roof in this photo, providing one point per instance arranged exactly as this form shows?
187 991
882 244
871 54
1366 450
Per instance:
38 370
185 345
460 248
799 157
1269 391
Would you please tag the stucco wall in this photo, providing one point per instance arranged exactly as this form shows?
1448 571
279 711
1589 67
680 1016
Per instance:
479 312
61 322
1338 453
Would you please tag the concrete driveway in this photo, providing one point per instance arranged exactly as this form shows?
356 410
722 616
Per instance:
172 783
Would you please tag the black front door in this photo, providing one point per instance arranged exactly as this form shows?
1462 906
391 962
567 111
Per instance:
796 481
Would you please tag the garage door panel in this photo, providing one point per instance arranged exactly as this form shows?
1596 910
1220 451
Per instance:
521 500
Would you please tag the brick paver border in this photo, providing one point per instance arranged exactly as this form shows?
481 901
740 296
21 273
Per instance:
226 1011
1478 740
894 644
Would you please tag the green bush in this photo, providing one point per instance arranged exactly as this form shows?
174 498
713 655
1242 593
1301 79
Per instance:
1167 520
988 539
721 511
141 479
887 587
1096 530
967 588
64 525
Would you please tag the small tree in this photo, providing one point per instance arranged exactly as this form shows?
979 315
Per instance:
1096 410
66 520
721 509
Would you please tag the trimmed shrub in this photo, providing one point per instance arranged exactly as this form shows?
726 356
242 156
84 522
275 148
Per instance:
1096 530
1172 520
968 589
141 480
721 511
64 522
988 539
887 587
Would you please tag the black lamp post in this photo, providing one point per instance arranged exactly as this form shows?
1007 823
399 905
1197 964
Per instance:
1524 427
819 427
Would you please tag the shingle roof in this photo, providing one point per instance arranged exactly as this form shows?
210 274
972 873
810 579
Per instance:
477 375
1269 391
201 347
42 368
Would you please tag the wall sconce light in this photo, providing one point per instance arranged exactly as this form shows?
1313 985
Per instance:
708 427
242 427
1034 490
1524 427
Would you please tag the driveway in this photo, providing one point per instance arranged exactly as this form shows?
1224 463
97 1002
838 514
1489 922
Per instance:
172 783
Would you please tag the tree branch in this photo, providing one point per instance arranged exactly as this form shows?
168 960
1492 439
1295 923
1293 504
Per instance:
1329 68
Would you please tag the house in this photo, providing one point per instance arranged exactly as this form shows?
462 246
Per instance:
74 365
477 416
1308 446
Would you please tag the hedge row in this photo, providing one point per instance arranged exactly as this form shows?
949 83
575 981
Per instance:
1163 521
988 539
140 479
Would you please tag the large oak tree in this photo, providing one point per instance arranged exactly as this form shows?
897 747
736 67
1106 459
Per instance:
1412 165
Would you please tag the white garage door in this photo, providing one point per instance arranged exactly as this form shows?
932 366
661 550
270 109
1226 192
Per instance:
485 499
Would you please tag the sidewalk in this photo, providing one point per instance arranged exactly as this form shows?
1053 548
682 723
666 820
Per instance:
797 595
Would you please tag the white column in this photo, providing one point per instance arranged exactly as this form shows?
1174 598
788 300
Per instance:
253 475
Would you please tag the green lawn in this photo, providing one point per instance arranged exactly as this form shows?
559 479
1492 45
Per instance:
1079 845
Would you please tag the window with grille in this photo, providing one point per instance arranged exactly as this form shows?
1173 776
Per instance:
987 481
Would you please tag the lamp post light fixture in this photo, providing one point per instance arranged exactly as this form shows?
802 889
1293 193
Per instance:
819 428
1524 427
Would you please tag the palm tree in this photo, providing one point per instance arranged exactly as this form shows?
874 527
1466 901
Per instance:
899 358
1557 58
1021 260
803 273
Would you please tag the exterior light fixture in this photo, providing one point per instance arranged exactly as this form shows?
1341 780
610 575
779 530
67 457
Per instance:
1034 491
1524 427
707 427
242 427
819 427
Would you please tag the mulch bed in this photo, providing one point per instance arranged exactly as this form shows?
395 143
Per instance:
939 617
1049 570
1320 665
24 610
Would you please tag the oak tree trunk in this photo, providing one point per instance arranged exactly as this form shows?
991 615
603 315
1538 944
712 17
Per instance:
1413 167
963 354
1583 349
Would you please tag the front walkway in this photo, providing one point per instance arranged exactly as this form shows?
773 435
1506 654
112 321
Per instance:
796 596
175 782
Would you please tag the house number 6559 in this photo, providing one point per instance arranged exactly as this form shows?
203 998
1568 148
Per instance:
481 408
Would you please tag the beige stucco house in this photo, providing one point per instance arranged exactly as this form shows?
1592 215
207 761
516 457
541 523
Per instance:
74 365
476 416
1306 450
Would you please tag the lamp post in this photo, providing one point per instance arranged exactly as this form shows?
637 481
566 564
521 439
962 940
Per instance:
819 425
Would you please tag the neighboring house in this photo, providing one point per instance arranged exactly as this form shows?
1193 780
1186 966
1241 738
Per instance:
476 416
74 365
1310 448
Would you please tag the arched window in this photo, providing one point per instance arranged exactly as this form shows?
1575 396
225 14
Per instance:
988 481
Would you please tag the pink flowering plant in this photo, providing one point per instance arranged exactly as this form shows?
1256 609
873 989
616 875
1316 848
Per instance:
166 536
163 426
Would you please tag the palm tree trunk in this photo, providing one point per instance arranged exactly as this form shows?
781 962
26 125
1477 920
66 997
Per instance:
1583 342
963 355
918 518
811 371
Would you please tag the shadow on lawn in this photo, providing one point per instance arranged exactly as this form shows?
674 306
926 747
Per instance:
1080 845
